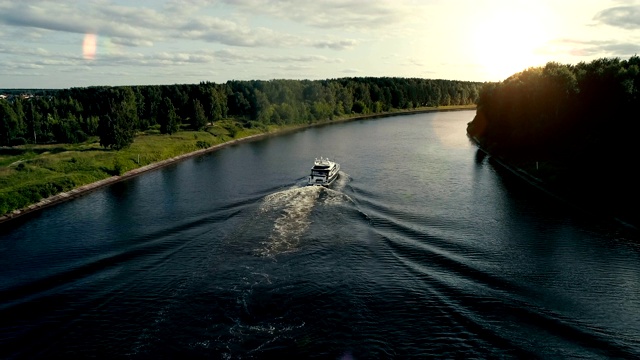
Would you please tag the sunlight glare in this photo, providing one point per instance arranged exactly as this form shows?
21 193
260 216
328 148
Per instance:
89 46
506 42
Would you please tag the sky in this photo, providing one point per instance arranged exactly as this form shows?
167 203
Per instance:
63 44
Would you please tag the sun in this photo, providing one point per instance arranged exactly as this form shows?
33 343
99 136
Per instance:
507 41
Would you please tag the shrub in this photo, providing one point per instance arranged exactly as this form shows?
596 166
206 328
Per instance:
18 141
232 129
118 167
257 125
203 144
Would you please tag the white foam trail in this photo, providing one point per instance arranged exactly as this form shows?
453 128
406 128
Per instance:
292 209
294 206
341 181
334 197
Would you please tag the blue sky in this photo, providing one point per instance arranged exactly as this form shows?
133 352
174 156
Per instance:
48 44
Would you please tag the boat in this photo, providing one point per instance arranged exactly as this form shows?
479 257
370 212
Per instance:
324 172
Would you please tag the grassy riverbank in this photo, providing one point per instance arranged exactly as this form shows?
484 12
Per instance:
31 173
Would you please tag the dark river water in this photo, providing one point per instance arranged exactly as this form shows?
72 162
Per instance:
423 248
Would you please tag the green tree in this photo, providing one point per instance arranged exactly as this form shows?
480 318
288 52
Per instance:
33 119
344 97
9 125
359 107
117 128
141 111
168 118
115 133
198 118
153 100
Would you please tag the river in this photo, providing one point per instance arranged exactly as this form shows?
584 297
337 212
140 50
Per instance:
423 248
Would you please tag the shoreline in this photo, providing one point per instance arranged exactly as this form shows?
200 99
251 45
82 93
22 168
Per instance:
559 194
85 189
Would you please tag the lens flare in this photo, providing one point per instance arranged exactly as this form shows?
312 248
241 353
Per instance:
89 46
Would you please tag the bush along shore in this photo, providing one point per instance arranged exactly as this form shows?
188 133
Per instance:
33 177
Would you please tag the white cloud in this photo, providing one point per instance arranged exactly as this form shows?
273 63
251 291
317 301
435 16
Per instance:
626 17
336 44
139 26
61 17
22 50
342 14
593 48
131 42
234 34
296 67
234 57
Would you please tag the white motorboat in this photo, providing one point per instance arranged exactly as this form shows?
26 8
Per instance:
324 172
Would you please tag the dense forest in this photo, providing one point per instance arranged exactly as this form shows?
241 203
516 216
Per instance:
579 123
117 114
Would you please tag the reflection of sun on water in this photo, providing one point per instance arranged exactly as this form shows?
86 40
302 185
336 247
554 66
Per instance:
506 41
448 132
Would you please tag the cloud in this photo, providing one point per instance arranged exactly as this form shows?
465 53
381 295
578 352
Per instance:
23 50
39 17
142 17
169 59
54 16
234 57
626 17
342 14
415 62
234 34
296 67
335 45
594 48
21 70
136 26
183 58
621 48
158 59
22 66
131 42
184 7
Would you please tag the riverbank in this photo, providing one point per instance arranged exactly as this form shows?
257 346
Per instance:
84 189
567 191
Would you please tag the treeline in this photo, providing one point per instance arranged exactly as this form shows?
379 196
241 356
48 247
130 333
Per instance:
116 114
562 110
583 119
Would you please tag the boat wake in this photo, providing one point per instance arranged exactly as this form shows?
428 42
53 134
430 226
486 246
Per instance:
290 211
341 182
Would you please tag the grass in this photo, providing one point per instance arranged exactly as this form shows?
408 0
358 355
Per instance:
29 173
